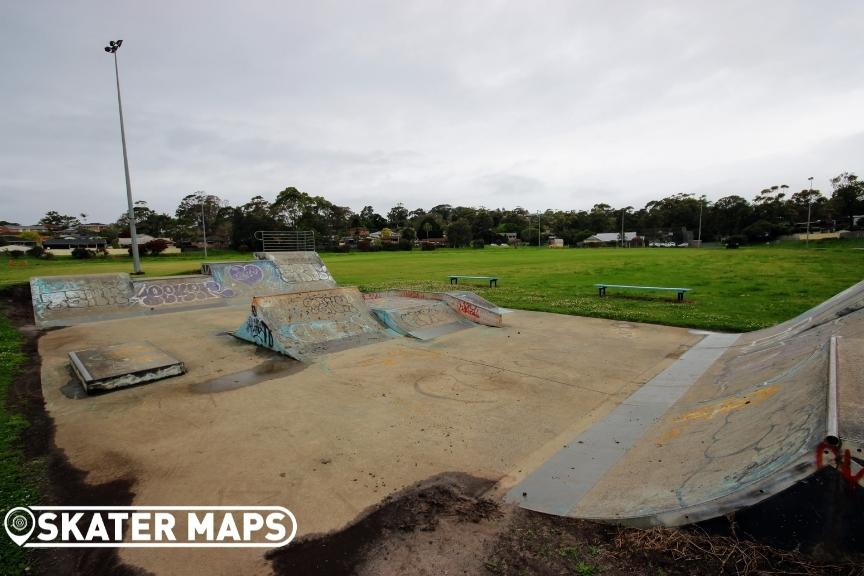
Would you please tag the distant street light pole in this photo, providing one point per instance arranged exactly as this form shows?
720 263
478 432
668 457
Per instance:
622 227
809 203
136 260
204 225
538 229
699 239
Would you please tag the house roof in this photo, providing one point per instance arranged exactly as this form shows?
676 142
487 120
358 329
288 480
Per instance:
611 237
74 241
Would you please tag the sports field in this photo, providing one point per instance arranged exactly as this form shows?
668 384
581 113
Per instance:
735 290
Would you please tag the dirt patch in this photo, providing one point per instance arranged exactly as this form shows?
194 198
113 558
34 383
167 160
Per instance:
63 484
446 525
379 533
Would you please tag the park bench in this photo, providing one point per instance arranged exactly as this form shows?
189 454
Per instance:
493 280
680 291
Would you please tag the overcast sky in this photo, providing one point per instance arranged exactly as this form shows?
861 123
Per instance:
498 104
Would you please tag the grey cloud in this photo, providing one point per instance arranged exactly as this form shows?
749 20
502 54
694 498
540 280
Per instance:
424 103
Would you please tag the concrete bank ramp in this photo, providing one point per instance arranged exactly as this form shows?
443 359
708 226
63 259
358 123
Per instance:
734 421
68 300
303 270
467 305
307 324
423 319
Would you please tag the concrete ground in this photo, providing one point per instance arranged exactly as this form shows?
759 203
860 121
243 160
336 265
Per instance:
331 438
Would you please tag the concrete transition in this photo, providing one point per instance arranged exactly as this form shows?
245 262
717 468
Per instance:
69 300
427 315
122 365
308 324
750 416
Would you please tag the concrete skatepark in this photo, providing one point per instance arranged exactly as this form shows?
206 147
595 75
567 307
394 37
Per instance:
616 421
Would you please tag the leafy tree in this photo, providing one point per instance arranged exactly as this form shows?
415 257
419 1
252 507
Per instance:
431 227
408 233
731 214
848 196
459 233
372 220
397 216
56 221
31 236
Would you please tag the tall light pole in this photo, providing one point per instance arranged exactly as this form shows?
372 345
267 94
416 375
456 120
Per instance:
809 203
112 48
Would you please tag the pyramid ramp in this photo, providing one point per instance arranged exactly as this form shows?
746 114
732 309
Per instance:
736 420
308 324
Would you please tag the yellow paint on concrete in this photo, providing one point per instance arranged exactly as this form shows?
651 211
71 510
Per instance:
712 410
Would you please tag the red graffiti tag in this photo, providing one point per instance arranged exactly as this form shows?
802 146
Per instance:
413 294
469 309
826 455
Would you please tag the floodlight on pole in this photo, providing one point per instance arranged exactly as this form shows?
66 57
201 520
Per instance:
112 47
809 203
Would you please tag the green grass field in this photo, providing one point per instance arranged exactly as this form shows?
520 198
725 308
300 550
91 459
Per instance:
735 290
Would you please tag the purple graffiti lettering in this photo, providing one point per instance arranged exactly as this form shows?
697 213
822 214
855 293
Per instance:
246 273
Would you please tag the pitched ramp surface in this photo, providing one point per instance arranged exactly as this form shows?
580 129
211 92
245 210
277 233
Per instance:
750 416
68 300
307 324
468 305
423 319
303 270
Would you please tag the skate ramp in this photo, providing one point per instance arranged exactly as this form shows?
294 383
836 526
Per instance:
308 324
424 319
468 305
68 300
734 421
304 271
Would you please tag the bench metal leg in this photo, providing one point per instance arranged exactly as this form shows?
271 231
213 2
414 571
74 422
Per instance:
491 282
602 291
680 296
454 281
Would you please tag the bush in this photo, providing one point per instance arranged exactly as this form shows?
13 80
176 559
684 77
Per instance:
405 244
736 240
15 254
344 248
155 247
36 251
48 255
478 244
82 253
389 246
427 246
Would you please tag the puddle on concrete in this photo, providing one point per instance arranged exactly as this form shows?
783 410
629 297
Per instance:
73 389
267 370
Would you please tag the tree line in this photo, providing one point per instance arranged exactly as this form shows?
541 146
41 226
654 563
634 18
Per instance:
773 211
